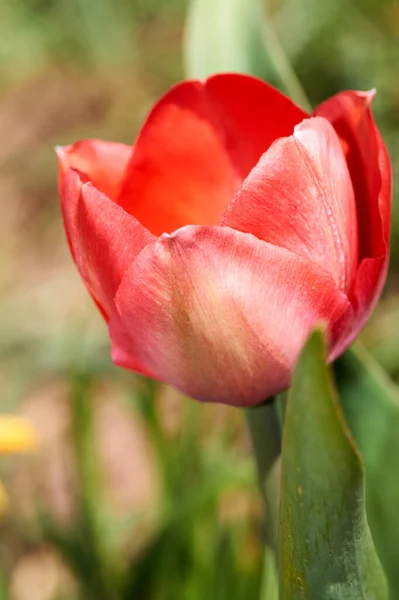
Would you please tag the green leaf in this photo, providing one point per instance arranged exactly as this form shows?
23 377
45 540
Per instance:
371 405
225 35
325 546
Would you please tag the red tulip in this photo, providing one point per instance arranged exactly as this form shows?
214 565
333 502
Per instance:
233 225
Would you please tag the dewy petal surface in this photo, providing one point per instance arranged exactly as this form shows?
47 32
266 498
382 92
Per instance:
104 239
198 144
103 163
370 168
219 314
300 197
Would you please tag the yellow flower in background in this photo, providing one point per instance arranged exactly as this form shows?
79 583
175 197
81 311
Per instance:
16 435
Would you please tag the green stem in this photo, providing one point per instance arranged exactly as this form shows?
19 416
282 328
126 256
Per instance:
269 584
283 66
264 428
266 441
281 405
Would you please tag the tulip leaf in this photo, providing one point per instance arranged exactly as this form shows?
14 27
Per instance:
326 551
370 403
225 35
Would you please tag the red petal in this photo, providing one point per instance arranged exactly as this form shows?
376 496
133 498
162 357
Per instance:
300 197
370 169
219 314
369 166
365 292
198 144
103 163
104 239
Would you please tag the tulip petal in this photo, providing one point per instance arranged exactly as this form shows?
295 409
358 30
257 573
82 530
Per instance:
103 163
370 169
198 144
219 314
104 239
300 197
369 166
365 291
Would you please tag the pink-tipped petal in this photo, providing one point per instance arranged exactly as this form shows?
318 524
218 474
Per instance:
103 163
300 197
219 314
104 239
198 144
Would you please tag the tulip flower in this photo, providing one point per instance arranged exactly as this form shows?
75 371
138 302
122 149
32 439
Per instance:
233 225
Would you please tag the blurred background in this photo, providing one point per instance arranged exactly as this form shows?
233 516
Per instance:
134 491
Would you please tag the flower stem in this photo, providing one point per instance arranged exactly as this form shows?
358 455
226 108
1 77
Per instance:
266 441
269 586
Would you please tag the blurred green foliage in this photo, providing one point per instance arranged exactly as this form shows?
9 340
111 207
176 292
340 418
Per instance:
75 68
